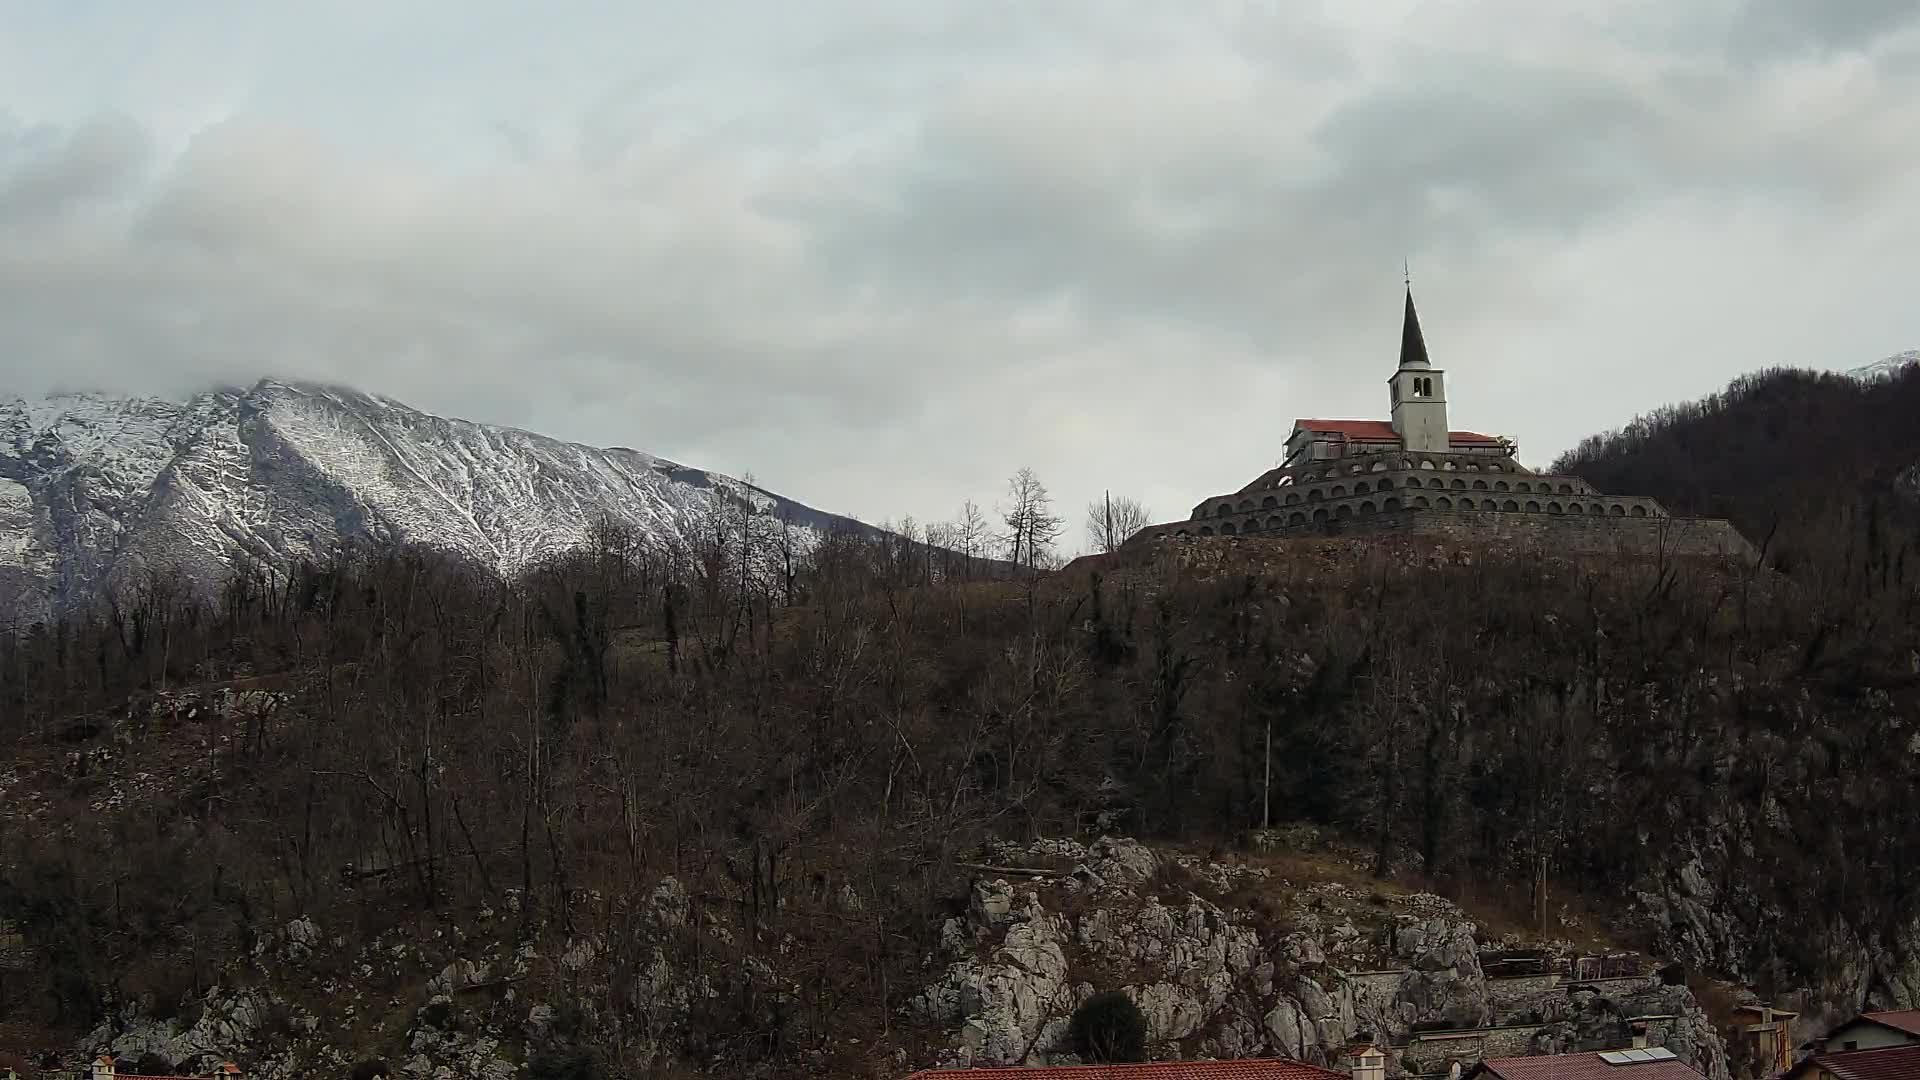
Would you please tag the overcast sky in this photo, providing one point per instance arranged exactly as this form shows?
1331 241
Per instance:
881 253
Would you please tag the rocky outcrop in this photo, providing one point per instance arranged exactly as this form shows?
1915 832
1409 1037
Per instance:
460 1003
1012 1002
1444 983
1215 981
1703 915
228 1023
1222 960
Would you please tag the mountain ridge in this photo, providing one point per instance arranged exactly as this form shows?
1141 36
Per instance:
1887 367
98 491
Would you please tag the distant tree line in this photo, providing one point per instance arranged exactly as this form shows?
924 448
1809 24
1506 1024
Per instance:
1811 464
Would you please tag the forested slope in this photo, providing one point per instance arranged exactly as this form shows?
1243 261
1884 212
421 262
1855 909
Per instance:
1823 464
398 744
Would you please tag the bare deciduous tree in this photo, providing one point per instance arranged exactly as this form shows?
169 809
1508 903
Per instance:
1032 526
1112 519
970 536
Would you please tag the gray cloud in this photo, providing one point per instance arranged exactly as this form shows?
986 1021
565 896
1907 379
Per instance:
883 255
1769 29
46 172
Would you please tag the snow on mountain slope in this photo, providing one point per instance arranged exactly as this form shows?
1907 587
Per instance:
98 491
1888 366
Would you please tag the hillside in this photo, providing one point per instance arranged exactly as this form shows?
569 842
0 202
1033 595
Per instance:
100 495
399 753
629 814
1824 464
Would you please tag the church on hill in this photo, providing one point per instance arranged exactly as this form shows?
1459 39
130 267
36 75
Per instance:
1413 473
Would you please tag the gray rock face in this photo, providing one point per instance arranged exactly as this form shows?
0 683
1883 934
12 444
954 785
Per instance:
1703 922
1211 983
1120 861
227 1025
100 493
1210 980
1201 956
456 1002
1005 1003
1446 983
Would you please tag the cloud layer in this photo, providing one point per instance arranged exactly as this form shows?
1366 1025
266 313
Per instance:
880 254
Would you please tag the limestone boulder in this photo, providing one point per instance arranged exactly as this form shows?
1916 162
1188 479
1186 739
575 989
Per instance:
1444 983
1005 1003
1122 861
1288 1029
669 904
990 907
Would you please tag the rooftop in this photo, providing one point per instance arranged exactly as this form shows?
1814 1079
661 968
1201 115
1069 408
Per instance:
1262 1069
1651 1064
1381 431
107 1061
1907 1020
1886 1063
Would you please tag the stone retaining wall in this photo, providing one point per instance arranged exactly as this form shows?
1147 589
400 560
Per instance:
1568 533
1374 992
1512 994
1578 535
1431 1051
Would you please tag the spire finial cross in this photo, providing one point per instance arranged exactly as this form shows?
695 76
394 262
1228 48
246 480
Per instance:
1408 267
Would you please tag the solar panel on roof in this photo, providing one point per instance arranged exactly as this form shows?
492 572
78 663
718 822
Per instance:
1638 1055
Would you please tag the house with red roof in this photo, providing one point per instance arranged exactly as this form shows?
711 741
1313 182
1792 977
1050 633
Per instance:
1246 1069
1896 1062
1873 1030
1415 473
103 1069
1641 1063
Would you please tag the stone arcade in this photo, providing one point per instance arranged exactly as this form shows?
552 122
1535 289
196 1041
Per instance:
1413 474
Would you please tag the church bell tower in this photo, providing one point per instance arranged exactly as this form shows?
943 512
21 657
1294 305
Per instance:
1419 391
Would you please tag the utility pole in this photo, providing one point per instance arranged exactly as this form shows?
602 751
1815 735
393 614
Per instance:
1540 892
1266 781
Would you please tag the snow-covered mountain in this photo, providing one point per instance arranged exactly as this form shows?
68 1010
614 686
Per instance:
99 491
1891 364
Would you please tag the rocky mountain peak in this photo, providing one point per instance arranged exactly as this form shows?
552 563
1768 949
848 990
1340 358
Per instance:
98 491
1883 368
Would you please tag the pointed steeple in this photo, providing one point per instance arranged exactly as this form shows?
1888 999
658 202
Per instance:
1419 391
1413 345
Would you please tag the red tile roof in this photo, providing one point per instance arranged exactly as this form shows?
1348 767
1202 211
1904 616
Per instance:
1262 1069
1907 1020
1583 1067
1382 431
226 1069
1359 430
1886 1063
